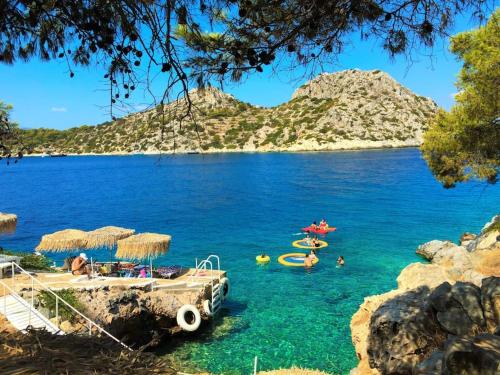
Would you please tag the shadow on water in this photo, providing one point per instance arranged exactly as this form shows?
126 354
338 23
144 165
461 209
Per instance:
227 322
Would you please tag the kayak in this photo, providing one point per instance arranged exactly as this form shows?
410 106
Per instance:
318 230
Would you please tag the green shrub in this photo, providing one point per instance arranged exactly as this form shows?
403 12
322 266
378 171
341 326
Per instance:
30 261
35 262
48 301
292 137
216 142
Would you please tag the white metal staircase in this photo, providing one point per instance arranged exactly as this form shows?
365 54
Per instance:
208 267
23 314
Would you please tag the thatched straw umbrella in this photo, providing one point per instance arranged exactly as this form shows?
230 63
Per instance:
8 222
107 237
64 240
144 246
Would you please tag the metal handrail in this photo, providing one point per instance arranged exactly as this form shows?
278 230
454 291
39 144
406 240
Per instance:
15 294
89 321
218 262
203 265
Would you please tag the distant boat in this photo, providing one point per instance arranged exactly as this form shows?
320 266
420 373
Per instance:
193 152
57 155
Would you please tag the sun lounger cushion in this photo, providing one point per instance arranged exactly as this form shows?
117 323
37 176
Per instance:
168 272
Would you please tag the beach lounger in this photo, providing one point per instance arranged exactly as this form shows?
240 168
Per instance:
168 272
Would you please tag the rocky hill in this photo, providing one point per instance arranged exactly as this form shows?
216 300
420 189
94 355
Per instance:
345 110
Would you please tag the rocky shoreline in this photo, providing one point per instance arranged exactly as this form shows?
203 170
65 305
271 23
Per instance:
443 318
139 316
302 147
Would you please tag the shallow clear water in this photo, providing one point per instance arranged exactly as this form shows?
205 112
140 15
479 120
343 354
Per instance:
384 204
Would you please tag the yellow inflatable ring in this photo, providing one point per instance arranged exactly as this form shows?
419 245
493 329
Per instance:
299 245
262 259
293 260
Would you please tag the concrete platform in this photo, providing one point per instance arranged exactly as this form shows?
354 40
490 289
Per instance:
58 280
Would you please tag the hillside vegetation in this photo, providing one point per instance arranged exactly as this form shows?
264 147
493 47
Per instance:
344 110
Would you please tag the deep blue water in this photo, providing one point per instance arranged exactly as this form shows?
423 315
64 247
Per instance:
384 204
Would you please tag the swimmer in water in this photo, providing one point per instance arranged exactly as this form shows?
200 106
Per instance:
340 261
307 261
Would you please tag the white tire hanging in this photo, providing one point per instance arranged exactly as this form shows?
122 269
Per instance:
189 318
224 288
207 307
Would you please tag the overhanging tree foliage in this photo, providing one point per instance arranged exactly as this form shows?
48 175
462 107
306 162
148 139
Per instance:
465 142
10 139
210 39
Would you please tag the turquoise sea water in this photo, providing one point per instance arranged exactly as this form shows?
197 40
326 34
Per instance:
384 204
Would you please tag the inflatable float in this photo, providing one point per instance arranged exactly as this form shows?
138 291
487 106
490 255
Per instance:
302 244
317 230
294 260
262 259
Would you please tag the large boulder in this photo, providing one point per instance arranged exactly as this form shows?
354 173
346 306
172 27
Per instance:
490 299
487 241
360 325
430 366
403 332
420 274
458 308
486 262
489 238
479 355
455 260
466 238
429 249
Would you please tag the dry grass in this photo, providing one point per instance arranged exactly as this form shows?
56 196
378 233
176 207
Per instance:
64 240
293 371
8 222
143 245
40 352
5 326
107 237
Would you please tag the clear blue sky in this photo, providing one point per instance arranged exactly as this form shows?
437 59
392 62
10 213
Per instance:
43 95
